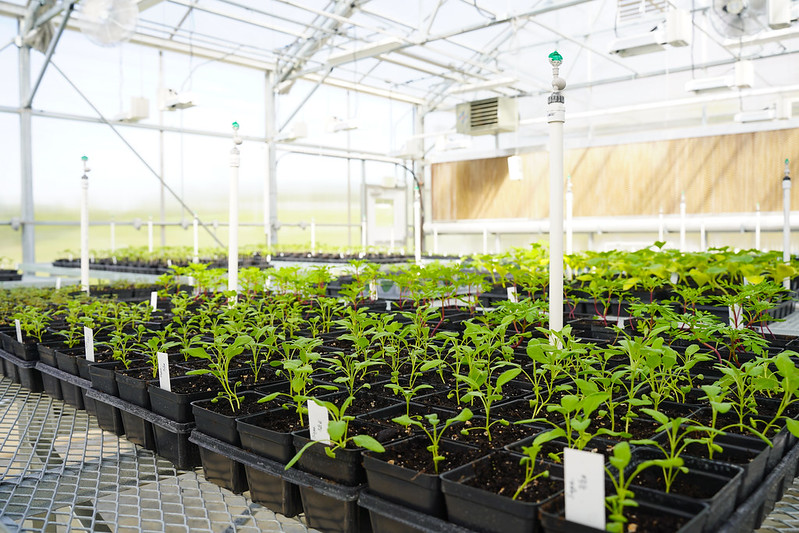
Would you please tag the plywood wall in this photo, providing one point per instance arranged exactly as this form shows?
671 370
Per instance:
721 174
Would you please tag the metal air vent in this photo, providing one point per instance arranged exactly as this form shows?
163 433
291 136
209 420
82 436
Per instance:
482 117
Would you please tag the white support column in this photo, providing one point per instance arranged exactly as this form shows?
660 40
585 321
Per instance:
26 156
485 240
195 226
233 216
786 225
682 222
556 116
661 227
497 244
84 227
417 224
270 180
569 217
113 236
363 234
702 237
435 241
313 236
757 226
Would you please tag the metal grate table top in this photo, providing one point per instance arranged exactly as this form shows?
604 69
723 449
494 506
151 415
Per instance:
59 472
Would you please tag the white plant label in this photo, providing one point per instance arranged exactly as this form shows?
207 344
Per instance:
18 327
88 341
163 371
736 316
620 323
154 300
317 422
513 296
114 260
584 484
388 305
169 262
58 284
675 277
373 290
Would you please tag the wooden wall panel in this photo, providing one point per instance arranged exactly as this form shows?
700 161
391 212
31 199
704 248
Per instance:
721 174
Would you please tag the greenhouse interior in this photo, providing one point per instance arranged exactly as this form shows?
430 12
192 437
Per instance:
487 266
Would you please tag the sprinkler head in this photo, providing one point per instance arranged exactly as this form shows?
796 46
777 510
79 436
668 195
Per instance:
235 125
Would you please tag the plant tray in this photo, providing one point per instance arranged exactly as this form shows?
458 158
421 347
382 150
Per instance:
388 517
25 372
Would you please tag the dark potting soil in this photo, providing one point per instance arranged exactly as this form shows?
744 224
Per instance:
284 421
503 475
553 450
500 435
248 405
728 455
683 484
206 383
413 455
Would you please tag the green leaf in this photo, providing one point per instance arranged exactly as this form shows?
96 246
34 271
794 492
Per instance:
336 430
365 441
793 426
507 376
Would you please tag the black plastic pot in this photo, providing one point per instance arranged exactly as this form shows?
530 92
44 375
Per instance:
485 511
417 490
695 513
345 468
66 360
103 379
722 479
51 384
218 468
269 490
134 390
388 517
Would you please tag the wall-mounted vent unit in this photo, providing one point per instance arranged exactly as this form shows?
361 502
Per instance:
482 117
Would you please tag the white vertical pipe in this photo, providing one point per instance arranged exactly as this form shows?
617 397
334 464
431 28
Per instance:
363 233
150 235
497 244
417 225
556 116
485 240
569 217
702 236
682 222
313 236
757 226
113 235
196 237
435 241
661 228
786 225
84 227
233 222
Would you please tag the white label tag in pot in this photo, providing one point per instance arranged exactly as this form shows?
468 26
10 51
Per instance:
18 327
58 284
736 316
513 296
674 277
88 341
163 371
373 290
154 300
584 485
317 422
620 323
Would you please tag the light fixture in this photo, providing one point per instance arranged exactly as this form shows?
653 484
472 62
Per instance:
362 53
482 85
139 110
742 77
755 116
170 100
337 124
675 31
298 130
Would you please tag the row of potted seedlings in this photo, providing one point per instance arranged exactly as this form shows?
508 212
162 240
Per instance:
417 414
